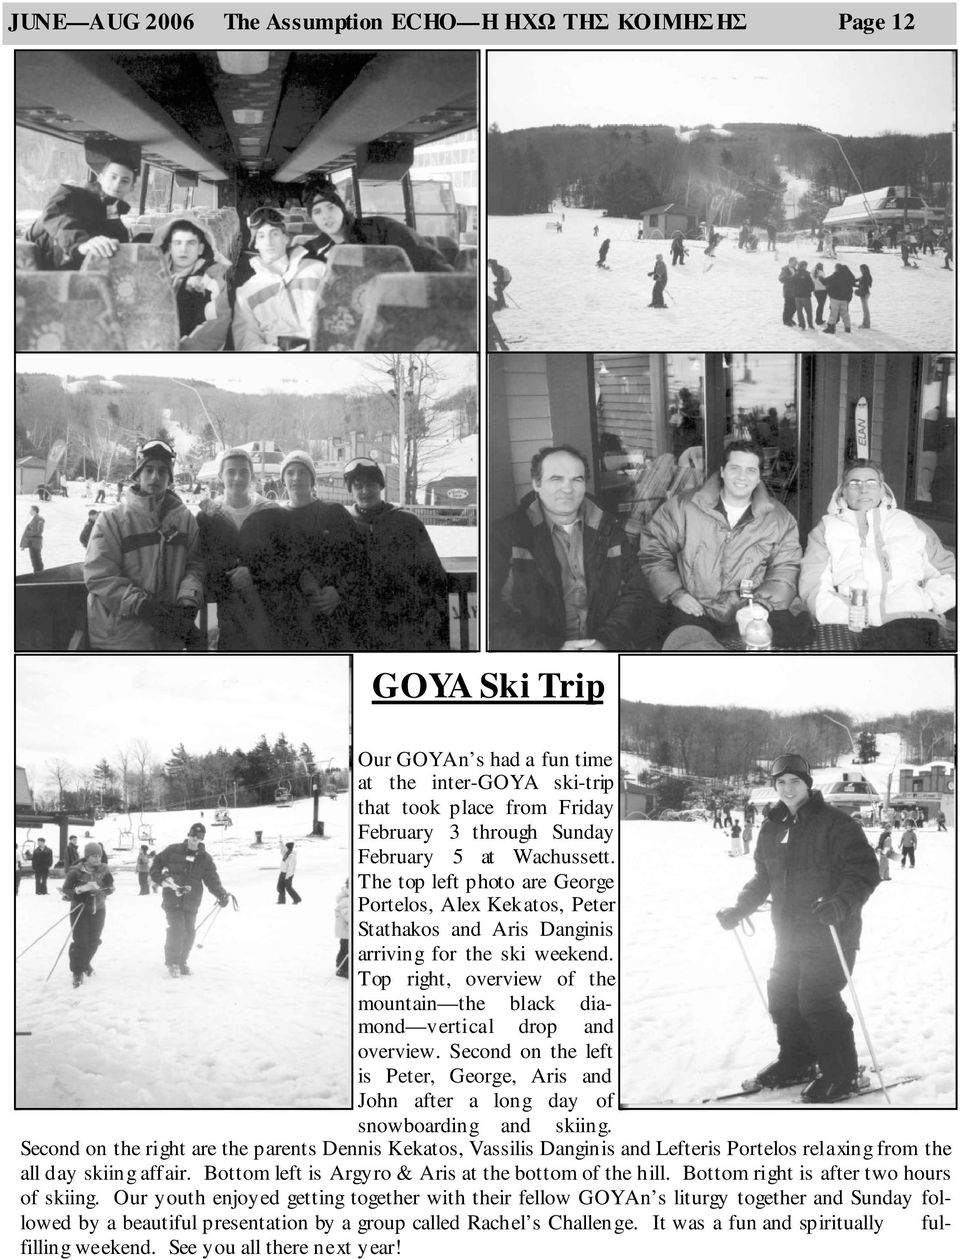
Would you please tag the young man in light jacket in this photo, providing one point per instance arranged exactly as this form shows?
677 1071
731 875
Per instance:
142 570
274 308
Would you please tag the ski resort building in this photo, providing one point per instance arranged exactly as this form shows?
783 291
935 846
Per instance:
664 220
883 207
928 790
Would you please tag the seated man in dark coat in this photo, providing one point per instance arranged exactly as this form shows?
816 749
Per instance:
563 574
86 222
339 226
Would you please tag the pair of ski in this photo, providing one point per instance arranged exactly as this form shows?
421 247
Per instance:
750 1088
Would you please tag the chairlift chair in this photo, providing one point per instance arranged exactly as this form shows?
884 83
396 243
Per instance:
282 795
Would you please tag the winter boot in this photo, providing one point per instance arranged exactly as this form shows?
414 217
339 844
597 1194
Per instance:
185 969
784 1072
77 980
174 970
825 1090
88 970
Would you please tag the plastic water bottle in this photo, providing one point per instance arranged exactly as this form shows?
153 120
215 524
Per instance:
857 615
756 633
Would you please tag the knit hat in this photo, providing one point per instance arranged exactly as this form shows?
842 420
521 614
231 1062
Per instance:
100 153
234 452
197 828
299 456
92 850
790 763
324 192
157 451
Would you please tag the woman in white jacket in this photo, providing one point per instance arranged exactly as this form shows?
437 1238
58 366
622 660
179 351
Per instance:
288 868
910 578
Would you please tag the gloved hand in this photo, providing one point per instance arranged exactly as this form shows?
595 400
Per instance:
161 616
829 912
183 617
224 900
729 918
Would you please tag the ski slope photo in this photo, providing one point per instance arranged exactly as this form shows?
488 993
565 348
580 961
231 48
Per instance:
693 1024
262 1020
559 299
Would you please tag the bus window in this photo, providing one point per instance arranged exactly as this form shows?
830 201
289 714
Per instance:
380 196
44 162
159 190
435 207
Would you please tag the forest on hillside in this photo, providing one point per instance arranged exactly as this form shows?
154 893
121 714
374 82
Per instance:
628 169
738 743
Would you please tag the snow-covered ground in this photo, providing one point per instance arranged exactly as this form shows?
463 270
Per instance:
560 300
263 1021
65 517
692 1024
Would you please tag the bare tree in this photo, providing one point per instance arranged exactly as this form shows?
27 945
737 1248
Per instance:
61 772
140 752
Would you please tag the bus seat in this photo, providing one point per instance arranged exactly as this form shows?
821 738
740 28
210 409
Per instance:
447 246
466 259
224 226
50 609
421 311
143 295
303 238
26 255
344 295
65 310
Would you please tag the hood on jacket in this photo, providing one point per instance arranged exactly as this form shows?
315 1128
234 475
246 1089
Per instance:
209 253
838 504
132 498
530 504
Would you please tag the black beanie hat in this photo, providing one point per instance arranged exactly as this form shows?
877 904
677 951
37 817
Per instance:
325 192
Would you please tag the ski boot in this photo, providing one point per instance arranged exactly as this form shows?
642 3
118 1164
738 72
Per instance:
174 970
77 980
782 1074
185 969
823 1091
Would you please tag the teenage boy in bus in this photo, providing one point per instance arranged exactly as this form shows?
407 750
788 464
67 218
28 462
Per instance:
86 222
274 308
339 226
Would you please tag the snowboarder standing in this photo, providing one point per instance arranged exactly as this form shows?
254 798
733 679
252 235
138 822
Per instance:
604 250
182 870
815 863
677 252
86 886
659 274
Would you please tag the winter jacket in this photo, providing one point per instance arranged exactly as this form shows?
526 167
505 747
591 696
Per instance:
190 870
525 585
86 531
821 853
341 915
32 537
94 900
689 545
379 230
41 858
142 865
74 215
327 550
839 284
862 286
803 285
407 603
908 840
205 316
137 550
269 305
288 862
265 618
818 284
787 278
659 271
908 571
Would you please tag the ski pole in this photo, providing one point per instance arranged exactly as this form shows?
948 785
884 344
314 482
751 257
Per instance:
66 941
753 973
212 914
856 1006
42 934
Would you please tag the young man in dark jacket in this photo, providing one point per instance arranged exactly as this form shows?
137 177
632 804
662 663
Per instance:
41 861
839 286
182 871
816 865
87 885
563 574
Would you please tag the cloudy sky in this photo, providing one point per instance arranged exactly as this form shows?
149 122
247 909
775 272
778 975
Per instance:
864 93
865 687
304 373
78 709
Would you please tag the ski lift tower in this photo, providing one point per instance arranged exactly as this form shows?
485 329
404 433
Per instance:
316 783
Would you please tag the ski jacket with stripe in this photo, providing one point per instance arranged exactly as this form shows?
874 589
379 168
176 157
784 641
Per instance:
138 550
193 870
690 545
526 585
908 571
820 853
270 305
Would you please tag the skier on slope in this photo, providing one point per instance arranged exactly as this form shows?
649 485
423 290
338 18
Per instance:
182 870
815 863
604 250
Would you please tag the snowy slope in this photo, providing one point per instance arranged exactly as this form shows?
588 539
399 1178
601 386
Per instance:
263 1021
692 1024
560 300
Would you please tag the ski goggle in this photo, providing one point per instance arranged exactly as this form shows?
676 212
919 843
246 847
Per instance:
791 764
266 215
361 464
156 450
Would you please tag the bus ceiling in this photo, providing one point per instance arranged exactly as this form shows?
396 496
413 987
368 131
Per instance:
286 115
